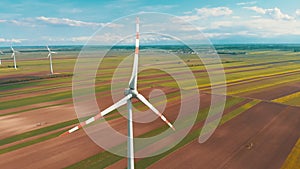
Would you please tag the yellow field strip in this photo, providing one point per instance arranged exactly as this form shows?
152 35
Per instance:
249 79
293 160
287 98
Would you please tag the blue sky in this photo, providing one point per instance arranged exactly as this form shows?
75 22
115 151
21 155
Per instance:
37 22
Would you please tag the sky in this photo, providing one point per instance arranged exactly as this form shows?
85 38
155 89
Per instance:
37 22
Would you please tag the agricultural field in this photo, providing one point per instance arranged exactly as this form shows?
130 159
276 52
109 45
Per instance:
259 127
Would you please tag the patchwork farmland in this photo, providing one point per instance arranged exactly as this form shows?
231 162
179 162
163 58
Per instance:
259 127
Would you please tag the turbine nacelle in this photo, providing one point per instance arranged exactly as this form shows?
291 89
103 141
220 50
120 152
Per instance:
50 52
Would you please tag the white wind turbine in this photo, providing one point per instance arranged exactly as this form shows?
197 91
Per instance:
13 55
1 53
130 92
50 59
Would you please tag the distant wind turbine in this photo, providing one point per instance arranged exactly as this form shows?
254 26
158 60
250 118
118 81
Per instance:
1 53
50 59
13 55
130 92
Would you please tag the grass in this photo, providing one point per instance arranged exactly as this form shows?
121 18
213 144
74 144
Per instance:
31 142
33 86
35 100
35 108
261 84
32 78
37 132
100 160
42 98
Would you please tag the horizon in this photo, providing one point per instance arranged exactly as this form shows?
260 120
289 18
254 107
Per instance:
146 45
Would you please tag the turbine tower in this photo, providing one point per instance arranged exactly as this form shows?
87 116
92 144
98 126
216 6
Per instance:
1 53
13 55
130 92
50 59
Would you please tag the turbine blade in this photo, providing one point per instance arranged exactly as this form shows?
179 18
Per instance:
48 48
133 79
54 52
49 55
13 55
148 104
99 115
1 52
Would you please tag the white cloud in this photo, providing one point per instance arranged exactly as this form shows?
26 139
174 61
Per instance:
236 17
255 16
272 28
219 24
66 21
112 38
80 39
273 12
75 23
256 9
260 27
158 7
277 14
202 13
298 12
246 3
22 22
219 11
11 40
186 18
216 35
105 38
266 23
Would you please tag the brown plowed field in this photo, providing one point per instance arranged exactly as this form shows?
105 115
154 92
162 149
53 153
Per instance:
274 92
265 125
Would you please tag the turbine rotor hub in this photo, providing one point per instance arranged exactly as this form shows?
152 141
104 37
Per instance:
131 91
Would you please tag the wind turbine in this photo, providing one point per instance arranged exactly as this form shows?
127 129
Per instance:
13 55
1 53
50 58
130 92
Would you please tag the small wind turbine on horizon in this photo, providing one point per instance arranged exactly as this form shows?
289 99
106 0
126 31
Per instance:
1 53
50 59
130 92
13 55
